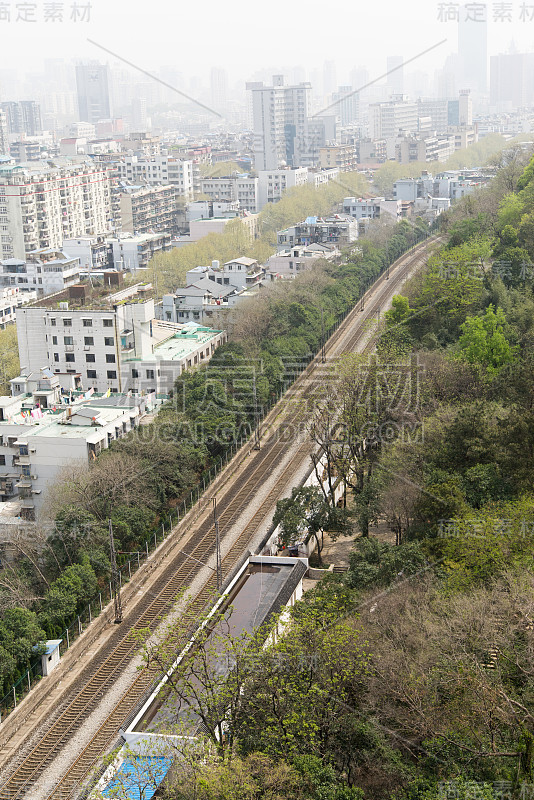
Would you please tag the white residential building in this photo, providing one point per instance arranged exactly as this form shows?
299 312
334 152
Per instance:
43 272
288 263
45 431
10 300
240 273
387 120
371 207
237 187
114 343
155 170
273 183
132 253
338 230
41 207
280 115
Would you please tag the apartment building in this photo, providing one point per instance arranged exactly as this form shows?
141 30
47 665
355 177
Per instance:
280 115
10 300
272 184
386 120
341 157
146 209
128 252
46 430
371 208
238 187
340 230
428 148
41 207
4 135
112 342
44 272
157 170
23 117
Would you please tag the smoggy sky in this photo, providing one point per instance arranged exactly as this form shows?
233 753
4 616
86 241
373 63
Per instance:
245 37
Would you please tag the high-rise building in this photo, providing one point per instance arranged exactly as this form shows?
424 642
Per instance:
4 138
31 117
219 88
473 47
347 106
39 208
387 120
511 84
92 83
465 108
329 77
280 118
395 77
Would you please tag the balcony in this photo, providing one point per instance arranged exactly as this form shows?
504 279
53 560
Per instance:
21 461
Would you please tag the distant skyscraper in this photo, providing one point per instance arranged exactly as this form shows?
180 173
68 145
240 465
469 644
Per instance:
511 84
347 105
31 117
23 117
219 88
329 77
92 83
473 47
395 79
4 139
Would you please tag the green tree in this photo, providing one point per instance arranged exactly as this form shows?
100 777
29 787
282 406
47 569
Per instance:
483 340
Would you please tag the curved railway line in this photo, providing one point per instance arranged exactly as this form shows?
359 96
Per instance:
232 500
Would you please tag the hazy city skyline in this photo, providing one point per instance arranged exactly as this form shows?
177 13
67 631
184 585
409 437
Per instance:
148 37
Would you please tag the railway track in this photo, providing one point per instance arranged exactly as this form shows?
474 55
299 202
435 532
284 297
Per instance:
280 427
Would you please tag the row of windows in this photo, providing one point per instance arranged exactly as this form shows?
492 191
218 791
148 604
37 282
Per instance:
89 357
88 341
112 375
87 323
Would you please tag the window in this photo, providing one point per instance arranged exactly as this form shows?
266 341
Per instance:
107 323
56 356
67 323
91 373
135 373
68 340
53 323
88 341
87 323
112 374
54 339
150 373
109 341
69 358
90 358
110 358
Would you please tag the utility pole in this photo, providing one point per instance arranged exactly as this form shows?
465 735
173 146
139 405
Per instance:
217 545
323 343
115 577
257 442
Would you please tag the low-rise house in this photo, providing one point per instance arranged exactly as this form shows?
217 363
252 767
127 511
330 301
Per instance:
43 272
45 429
288 263
338 229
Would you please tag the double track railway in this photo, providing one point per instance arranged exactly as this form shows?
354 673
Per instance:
233 500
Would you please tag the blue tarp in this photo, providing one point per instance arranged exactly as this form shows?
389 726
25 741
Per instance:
138 781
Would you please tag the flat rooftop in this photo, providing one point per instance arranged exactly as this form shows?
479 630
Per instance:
264 589
180 346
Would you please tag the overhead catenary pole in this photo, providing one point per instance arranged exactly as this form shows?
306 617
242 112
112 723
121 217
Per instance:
257 438
217 545
115 578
